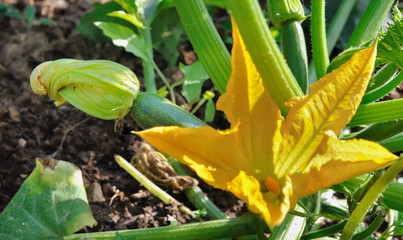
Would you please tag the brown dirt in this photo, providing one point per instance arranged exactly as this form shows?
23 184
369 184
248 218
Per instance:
31 126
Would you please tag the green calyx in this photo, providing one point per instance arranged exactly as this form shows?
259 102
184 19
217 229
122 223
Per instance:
101 88
281 11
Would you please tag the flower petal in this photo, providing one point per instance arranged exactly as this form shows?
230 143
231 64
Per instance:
249 106
272 209
337 161
330 106
209 152
280 204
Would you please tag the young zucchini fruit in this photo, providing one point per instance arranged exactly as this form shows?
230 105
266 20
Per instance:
151 110
295 52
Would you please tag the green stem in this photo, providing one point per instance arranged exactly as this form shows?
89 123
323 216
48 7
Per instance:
339 20
378 112
333 32
291 228
370 23
370 197
380 131
391 224
393 144
148 68
319 45
381 91
201 102
393 196
157 191
163 78
382 76
196 195
232 227
206 41
276 75
325 231
370 229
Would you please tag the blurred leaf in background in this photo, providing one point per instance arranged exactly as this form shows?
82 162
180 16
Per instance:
195 75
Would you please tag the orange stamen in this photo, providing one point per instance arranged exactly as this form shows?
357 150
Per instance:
272 185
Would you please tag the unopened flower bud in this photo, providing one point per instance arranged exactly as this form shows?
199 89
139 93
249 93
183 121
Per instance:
281 11
101 88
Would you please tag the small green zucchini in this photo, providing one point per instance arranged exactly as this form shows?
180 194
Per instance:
295 52
151 110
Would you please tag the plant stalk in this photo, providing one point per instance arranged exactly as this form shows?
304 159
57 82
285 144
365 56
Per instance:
333 32
370 197
378 112
148 68
196 195
370 23
319 45
232 227
276 75
157 191
206 41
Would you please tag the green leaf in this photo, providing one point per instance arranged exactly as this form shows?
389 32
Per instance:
128 17
29 12
379 131
398 231
336 209
10 11
100 13
45 21
50 204
128 5
382 76
148 8
391 44
393 196
210 111
348 187
166 34
195 75
118 236
163 92
393 144
125 37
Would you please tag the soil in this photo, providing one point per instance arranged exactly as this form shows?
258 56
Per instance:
32 127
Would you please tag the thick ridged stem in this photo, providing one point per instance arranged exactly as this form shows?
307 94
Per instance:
206 41
370 197
370 23
319 45
276 75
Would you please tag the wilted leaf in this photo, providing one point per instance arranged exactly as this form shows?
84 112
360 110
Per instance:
50 204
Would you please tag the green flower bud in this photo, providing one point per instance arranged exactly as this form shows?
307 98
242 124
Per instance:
101 88
281 11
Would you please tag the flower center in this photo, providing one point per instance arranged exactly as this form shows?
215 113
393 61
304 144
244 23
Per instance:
272 185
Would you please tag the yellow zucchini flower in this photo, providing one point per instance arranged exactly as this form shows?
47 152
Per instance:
270 161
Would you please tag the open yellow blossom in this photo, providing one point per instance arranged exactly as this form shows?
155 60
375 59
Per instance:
266 160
